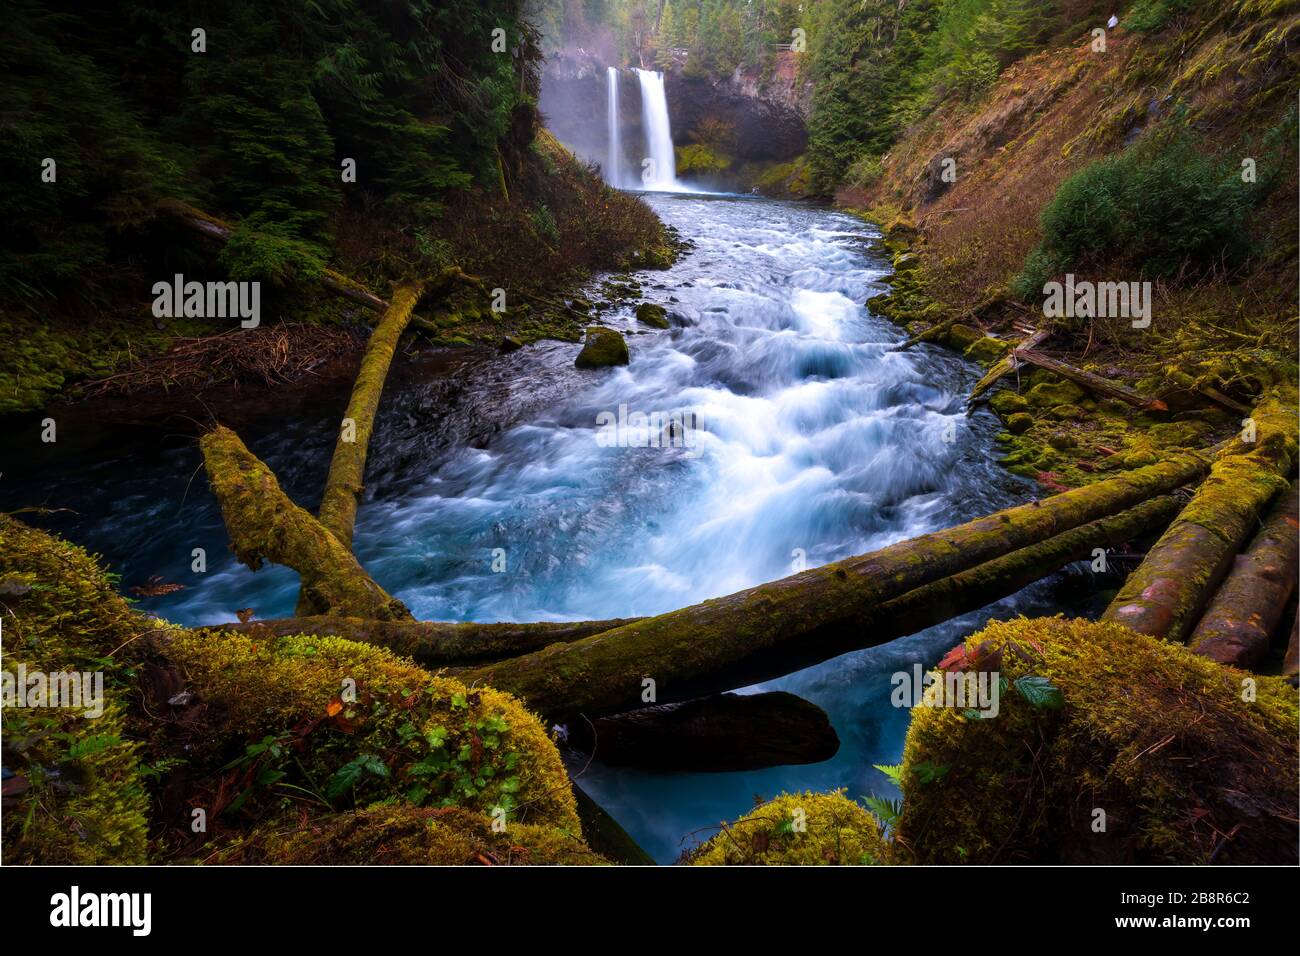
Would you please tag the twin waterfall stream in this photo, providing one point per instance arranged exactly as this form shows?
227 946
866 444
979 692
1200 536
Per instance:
658 167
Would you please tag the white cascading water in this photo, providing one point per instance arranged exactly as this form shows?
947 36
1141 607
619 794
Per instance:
612 175
661 173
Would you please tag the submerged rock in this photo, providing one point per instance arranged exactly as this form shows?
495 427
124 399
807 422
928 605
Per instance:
604 347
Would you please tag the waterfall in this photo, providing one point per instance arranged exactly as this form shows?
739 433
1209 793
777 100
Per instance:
615 145
662 174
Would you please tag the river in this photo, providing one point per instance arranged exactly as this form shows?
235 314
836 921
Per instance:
491 495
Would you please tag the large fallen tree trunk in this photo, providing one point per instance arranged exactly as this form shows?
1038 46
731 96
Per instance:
1165 595
773 629
435 644
264 524
1093 383
214 228
343 486
1003 366
1236 628
725 732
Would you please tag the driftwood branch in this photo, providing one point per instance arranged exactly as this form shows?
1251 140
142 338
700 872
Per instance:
1003 366
1093 383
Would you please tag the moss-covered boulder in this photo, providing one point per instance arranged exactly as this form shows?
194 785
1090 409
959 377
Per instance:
800 829
604 347
652 315
986 350
249 727
961 337
357 724
1049 394
408 836
1019 422
1107 747
1005 402
76 795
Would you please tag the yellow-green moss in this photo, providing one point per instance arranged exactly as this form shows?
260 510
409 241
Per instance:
85 803
440 742
408 836
800 829
1157 738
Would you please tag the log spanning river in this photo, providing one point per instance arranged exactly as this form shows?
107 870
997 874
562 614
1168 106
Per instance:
494 493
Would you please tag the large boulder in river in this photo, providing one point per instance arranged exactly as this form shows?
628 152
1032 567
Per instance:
603 347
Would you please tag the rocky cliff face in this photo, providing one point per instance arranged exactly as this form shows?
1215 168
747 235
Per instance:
767 115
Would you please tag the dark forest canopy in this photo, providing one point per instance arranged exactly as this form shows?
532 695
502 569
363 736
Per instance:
251 109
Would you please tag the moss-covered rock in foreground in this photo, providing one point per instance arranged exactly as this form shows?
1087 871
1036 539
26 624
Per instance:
603 347
76 795
1189 761
800 829
408 836
359 724
252 728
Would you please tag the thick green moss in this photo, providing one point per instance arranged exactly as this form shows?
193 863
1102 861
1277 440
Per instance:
439 742
603 347
408 836
1159 740
1051 394
986 350
652 315
84 802
800 829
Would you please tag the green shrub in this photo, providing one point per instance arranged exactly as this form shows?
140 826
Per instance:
1148 16
1161 207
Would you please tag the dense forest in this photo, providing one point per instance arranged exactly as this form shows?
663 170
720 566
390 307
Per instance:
557 505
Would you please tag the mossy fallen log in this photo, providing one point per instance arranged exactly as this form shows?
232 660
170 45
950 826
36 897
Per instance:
435 644
1093 383
344 484
773 629
1107 748
1247 609
265 525
725 732
1165 595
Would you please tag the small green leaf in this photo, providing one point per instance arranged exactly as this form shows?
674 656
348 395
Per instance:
1040 692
